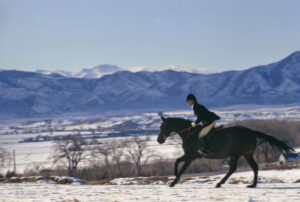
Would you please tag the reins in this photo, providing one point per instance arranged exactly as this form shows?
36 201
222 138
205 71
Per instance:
186 129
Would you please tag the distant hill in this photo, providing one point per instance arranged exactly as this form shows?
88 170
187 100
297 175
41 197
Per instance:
29 94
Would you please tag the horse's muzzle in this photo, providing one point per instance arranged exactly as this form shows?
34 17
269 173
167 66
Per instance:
161 139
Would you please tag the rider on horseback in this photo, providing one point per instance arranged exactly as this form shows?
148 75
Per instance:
207 118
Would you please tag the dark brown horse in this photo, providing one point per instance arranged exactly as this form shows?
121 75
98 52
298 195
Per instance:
232 142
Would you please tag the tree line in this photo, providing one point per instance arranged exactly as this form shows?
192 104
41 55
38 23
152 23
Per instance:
110 153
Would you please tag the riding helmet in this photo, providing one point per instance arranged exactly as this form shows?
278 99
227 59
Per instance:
190 97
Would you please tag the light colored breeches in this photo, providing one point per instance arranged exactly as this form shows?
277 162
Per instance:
205 130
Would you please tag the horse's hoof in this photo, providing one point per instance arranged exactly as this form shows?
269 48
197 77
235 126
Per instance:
218 185
172 184
251 186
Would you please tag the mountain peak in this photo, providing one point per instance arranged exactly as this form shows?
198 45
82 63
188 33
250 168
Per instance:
105 68
295 56
88 73
97 71
296 53
177 68
291 61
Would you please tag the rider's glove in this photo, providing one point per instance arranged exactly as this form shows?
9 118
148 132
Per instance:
193 124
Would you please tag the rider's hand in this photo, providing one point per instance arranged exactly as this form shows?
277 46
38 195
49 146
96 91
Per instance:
193 124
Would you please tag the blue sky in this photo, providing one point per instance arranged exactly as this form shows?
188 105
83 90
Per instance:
215 35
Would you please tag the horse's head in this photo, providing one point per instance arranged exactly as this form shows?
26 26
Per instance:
165 131
171 126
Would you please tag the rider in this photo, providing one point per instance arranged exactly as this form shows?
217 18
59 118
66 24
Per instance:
207 118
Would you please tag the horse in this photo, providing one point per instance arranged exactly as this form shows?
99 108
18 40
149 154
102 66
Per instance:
232 142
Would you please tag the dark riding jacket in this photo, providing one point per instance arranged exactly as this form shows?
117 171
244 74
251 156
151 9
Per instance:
204 115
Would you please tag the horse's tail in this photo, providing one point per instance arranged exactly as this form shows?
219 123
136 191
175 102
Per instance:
274 142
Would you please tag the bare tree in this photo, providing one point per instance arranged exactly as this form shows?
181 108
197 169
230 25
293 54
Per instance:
104 150
138 153
266 150
112 151
117 152
71 149
3 156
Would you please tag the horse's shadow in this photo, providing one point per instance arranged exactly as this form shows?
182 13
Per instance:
279 188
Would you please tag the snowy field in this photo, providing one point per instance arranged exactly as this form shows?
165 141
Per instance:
37 153
274 185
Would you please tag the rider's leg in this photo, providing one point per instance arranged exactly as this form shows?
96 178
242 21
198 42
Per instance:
202 136
206 129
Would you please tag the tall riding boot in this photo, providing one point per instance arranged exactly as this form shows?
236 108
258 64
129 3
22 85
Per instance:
205 149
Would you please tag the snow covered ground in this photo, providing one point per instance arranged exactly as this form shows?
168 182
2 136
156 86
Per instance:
274 185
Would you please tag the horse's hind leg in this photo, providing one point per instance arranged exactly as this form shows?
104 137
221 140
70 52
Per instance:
232 168
254 166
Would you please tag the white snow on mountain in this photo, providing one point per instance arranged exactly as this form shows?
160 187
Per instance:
178 68
97 72
88 73
105 69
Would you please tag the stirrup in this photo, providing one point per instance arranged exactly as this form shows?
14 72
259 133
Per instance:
205 151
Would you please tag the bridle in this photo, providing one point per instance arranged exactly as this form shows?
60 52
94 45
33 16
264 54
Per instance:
186 129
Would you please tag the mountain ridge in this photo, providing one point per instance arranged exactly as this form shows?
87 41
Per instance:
30 94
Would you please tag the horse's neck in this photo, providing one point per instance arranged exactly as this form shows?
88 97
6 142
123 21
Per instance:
181 127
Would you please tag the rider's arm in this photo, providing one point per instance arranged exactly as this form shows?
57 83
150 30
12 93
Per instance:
197 111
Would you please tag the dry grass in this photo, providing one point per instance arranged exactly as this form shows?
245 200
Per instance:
238 181
35 179
186 179
133 181
129 183
151 180
64 181
73 200
281 167
102 182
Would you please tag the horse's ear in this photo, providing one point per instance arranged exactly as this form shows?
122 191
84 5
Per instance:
163 118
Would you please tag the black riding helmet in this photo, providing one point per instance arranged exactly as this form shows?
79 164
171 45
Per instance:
191 97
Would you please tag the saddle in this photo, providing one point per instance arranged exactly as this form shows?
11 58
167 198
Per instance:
218 128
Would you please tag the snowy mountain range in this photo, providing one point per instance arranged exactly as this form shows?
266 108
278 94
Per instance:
101 70
95 72
29 94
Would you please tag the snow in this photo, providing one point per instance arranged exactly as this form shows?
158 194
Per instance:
297 150
93 72
275 185
71 179
50 192
264 176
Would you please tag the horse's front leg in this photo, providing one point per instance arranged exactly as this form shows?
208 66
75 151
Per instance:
186 164
179 160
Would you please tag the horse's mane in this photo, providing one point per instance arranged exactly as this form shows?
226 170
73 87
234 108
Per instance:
181 120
